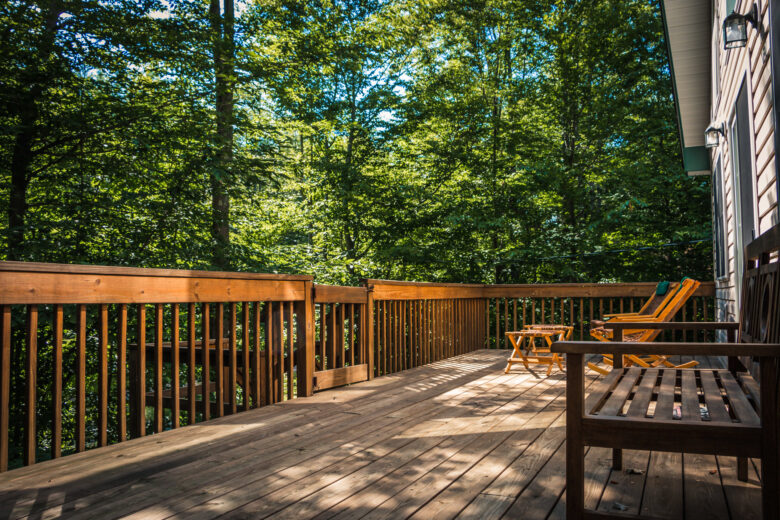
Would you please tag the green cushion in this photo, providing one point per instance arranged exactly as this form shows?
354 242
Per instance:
662 288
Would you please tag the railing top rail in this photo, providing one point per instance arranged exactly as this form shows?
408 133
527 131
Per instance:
389 290
649 285
583 290
37 284
43 283
41 267
339 294
374 281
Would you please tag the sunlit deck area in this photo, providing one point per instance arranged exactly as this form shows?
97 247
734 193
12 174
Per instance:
457 438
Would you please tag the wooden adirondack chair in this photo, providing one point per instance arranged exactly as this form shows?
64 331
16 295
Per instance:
664 313
664 292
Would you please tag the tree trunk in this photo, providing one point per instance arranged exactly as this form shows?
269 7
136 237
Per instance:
222 25
23 155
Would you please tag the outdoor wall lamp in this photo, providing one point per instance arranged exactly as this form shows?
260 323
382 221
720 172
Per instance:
711 137
735 27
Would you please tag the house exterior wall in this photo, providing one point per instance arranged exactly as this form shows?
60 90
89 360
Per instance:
752 65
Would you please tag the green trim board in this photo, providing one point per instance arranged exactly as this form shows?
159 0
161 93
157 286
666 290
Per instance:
695 158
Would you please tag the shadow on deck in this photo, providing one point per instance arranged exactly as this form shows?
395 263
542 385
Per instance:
457 438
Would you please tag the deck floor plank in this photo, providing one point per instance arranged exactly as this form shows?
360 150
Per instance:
322 449
394 482
623 493
663 496
456 438
166 485
416 440
704 494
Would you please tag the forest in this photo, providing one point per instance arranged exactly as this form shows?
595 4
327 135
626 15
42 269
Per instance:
495 141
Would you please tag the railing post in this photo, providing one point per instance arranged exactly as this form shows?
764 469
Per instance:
370 330
305 312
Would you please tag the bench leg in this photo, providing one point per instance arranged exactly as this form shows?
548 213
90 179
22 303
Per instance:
617 459
742 469
617 364
575 450
770 436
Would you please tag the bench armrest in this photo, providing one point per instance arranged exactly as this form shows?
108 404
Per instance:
673 349
671 325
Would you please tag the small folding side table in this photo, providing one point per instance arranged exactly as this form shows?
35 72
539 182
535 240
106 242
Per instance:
526 350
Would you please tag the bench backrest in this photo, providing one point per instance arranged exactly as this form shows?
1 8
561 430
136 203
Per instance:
760 308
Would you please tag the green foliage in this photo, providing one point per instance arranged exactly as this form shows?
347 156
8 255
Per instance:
492 141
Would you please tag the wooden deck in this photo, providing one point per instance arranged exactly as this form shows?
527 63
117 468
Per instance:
457 438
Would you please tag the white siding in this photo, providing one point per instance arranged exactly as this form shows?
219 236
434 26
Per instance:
753 65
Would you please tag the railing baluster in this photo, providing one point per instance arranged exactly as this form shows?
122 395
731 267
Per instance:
5 383
121 381
384 337
290 350
81 362
158 367
269 353
342 346
332 336
404 337
304 327
280 349
429 355
233 369
103 377
175 362
506 321
352 335
571 313
321 346
246 387
31 382
192 400
220 358
258 399
206 361
56 392
496 339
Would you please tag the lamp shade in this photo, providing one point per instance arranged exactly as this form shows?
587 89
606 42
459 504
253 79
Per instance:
734 31
712 136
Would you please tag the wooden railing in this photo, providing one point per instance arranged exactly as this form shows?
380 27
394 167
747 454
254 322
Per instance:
341 347
511 307
72 375
419 323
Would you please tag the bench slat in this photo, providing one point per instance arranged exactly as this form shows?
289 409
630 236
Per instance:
615 403
644 394
691 411
713 397
605 385
742 408
664 406
751 387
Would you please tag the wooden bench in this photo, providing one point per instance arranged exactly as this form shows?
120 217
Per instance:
711 411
